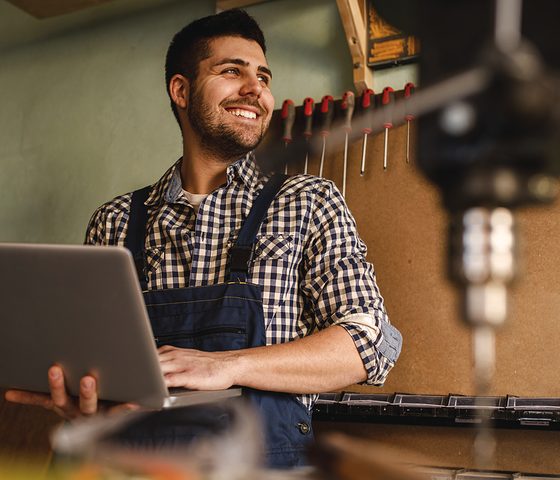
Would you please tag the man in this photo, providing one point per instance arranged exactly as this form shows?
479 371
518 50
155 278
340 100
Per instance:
309 317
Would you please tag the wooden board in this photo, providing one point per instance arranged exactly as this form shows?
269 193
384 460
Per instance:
404 226
352 17
24 433
452 447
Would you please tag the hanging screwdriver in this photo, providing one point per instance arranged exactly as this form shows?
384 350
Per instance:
288 116
387 100
408 91
347 107
308 105
326 113
368 98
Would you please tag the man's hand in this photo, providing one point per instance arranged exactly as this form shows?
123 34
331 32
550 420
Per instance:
324 361
60 402
195 369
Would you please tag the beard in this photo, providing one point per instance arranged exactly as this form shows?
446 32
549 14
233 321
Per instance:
223 140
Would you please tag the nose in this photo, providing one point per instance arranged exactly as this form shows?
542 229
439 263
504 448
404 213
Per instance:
251 86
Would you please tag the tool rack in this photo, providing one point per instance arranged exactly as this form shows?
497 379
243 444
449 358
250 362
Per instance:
451 410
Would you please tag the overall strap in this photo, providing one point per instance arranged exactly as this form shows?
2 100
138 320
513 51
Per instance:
136 233
241 253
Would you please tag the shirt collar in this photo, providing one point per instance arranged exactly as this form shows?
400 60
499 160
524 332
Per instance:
169 187
245 169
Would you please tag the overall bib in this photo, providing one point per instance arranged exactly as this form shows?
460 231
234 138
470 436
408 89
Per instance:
227 316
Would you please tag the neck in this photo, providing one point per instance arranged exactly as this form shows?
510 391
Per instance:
202 171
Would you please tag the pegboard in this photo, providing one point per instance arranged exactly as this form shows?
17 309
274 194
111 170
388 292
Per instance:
400 218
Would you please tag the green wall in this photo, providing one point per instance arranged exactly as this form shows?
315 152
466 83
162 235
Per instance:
84 115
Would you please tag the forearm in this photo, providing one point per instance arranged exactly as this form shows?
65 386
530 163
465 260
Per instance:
324 361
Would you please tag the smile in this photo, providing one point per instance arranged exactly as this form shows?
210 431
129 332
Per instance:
238 112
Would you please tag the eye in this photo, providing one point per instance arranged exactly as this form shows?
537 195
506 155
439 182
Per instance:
231 70
265 79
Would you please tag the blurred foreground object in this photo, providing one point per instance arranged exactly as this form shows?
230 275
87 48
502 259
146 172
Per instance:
227 443
348 458
489 148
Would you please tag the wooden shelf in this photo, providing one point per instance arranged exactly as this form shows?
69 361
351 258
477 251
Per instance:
354 24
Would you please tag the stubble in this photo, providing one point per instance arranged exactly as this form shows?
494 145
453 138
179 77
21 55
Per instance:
223 140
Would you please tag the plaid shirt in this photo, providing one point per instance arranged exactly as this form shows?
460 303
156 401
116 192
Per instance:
308 258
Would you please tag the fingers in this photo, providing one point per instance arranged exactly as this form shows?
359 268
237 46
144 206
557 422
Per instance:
59 396
194 369
176 361
88 395
173 361
167 349
170 349
60 402
29 398
168 354
63 404
169 369
176 380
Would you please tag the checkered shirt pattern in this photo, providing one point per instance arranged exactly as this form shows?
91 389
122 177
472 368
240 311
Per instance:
308 257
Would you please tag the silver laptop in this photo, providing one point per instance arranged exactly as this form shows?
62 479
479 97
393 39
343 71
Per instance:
81 307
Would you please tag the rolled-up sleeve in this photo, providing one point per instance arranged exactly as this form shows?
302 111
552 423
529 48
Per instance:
341 287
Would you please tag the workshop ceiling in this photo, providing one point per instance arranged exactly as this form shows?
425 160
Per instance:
25 21
53 8
21 24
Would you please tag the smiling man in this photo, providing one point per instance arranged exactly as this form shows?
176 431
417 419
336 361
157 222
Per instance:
250 279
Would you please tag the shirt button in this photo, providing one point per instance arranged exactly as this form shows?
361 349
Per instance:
303 428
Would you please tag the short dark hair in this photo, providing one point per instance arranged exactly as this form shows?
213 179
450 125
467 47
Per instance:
191 45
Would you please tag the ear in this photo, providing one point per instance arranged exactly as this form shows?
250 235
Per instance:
179 90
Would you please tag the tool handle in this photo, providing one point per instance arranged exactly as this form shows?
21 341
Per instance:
326 114
408 91
367 102
308 105
288 117
347 107
387 99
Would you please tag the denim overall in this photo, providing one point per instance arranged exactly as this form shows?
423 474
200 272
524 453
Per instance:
227 316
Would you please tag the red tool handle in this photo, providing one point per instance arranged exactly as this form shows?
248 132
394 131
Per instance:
408 91
288 116
347 107
326 113
367 102
387 98
308 105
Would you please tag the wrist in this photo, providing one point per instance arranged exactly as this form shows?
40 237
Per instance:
236 367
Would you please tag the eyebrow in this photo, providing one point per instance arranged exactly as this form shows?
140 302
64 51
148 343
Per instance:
243 63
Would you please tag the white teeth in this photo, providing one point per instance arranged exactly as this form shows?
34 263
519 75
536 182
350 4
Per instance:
243 113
